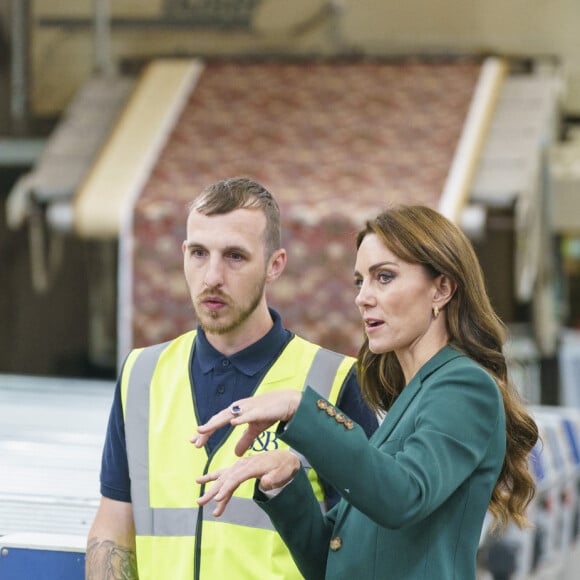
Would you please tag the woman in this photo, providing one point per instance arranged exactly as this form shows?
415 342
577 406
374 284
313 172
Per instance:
455 439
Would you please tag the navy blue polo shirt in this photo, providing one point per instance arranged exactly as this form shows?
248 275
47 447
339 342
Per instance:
218 381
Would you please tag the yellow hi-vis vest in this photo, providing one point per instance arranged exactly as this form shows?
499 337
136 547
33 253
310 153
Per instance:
175 538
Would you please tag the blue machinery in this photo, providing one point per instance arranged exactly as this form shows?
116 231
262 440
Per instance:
39 556
550 549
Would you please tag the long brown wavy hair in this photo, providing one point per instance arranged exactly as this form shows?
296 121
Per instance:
421 235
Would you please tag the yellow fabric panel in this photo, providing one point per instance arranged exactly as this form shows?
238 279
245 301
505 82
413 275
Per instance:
161 555
265 556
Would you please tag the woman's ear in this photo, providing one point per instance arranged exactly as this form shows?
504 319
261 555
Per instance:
444 289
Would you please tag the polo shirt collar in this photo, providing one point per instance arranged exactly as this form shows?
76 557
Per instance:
250 360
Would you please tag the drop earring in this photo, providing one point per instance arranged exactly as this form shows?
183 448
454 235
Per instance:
435 311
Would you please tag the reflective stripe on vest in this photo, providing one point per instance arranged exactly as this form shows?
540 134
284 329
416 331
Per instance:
181 521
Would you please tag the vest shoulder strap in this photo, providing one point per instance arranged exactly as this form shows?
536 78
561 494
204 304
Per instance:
324 376
327 369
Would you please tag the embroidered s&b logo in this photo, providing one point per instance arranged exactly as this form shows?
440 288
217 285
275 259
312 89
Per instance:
266 441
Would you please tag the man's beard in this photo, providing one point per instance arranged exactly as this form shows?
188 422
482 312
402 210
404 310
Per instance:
211 323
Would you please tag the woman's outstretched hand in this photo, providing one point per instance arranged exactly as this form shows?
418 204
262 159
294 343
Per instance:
274 469
259 412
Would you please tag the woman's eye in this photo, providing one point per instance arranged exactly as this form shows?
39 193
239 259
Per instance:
357 282
385 277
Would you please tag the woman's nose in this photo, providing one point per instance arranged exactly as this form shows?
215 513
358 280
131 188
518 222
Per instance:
363 296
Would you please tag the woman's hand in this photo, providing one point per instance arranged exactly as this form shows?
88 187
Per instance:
260 412
274 469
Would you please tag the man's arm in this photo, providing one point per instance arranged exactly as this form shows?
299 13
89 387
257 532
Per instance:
111 543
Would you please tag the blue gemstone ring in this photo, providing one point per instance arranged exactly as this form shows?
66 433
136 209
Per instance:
235 409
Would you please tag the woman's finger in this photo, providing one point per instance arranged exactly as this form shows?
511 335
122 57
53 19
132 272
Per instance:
260 412
249 436
276 468
226 483
209 494
224 417
212 476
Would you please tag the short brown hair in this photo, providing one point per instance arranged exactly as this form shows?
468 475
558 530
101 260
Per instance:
228 195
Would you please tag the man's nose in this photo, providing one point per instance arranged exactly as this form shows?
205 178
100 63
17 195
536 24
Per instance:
214 273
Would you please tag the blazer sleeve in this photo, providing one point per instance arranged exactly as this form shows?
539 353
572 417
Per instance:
398 481
306 531
352 404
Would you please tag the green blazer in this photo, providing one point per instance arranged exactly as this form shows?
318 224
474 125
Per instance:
414 496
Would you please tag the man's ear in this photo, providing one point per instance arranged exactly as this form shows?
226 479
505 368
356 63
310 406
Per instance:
276 265
444 289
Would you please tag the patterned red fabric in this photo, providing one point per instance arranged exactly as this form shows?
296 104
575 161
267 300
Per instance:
334 142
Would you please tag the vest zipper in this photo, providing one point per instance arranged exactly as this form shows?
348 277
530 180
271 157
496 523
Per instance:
199 526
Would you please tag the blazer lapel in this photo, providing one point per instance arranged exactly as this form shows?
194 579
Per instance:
410 392
397 410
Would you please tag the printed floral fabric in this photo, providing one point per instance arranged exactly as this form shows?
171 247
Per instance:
335 142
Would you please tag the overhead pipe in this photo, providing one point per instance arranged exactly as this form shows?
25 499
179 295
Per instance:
103 61
20 67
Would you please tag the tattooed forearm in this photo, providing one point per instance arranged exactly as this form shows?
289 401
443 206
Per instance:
106 560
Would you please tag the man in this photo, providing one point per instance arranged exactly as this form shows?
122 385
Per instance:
148 524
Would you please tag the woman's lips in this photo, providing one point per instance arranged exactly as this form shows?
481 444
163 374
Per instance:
372 324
